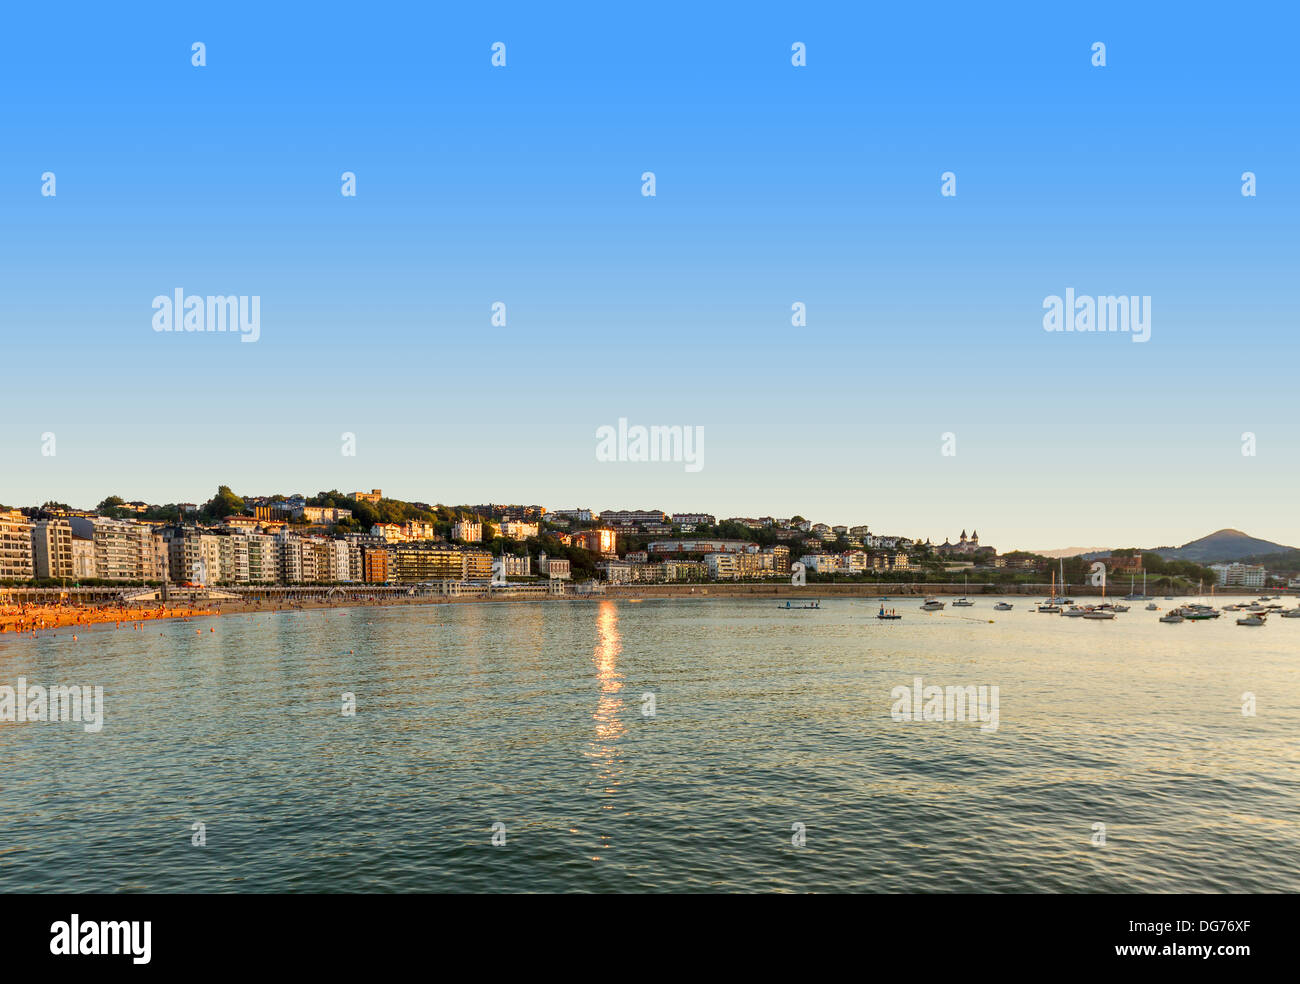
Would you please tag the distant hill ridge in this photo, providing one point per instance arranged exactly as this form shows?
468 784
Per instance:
1219 547
1223 546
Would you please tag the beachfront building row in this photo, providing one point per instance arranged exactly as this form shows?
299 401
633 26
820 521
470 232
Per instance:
739 561
653 572
200 556
75 547
856 562
80 548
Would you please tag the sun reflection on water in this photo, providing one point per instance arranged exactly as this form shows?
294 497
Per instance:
603 750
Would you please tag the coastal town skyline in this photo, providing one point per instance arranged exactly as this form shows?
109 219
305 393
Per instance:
369 537
1088 539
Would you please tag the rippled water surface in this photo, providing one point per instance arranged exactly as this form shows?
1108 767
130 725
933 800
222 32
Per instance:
531 716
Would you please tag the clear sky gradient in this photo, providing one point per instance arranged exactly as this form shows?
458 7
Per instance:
775 184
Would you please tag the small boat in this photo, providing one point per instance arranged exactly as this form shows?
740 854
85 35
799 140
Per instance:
1133 595
1251 620
932 605
811 606
1074 611
1064 600
1002 606
1290 613
1120 608
963 601
1171 617
1050 606
1169 597
1153 607
1195 615
1098 613
887 614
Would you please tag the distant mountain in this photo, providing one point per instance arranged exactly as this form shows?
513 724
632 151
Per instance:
1222 546
1070 551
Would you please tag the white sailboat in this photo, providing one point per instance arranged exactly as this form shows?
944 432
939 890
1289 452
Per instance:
1133 595
963 601
1064 600
1050 604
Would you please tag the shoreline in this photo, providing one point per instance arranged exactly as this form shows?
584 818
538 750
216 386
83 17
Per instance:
31 619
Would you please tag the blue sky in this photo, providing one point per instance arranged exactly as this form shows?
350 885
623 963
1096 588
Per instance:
775 184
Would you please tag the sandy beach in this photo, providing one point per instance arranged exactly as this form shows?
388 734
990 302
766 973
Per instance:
37 618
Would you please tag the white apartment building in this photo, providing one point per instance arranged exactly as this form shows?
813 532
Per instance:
556 568
632 517
161 556
517 530
340 567
15 547
322 514
209 569
694 519
419 529
52 548
233 552
123 550
577 515
263 559
821 563
290 551
314 565
390 532
1240 575
734 566
721 566
616 571
517 566
854 562
356 562
83 557
467 530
